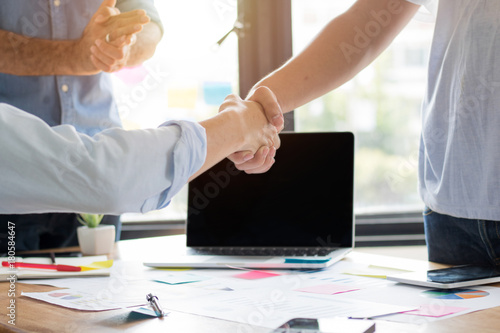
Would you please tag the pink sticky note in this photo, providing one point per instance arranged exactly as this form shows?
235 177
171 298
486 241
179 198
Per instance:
327 289
132 76
430 310
58 294
254 275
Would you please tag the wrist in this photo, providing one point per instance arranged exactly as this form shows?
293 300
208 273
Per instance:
79 63
253 124
239 127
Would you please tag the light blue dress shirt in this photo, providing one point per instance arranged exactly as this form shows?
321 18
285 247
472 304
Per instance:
44 169
86 102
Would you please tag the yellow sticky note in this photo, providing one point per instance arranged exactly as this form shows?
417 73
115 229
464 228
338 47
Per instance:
182 97
98 265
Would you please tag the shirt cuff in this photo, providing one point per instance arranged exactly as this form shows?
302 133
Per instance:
187 157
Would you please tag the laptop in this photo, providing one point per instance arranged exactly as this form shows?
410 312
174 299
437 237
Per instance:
298 215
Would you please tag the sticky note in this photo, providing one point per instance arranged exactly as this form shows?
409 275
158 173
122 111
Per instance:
146 311
327 289
254 275
58 294
132 76
305 261
101 264
435 310
180 269
214 93
182 97
180 278
374 271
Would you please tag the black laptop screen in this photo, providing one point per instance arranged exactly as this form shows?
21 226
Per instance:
306 199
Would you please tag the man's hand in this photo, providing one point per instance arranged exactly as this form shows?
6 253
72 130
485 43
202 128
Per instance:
120 29
263 159
256 130
240 125
113 55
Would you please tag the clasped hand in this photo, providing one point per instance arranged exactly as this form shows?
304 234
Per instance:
108 37
258 157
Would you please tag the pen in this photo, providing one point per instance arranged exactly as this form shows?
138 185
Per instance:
60 268
153 300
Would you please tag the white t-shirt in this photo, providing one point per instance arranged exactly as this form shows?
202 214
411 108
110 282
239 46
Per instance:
459 172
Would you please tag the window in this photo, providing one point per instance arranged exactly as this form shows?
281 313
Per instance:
381 106
188 77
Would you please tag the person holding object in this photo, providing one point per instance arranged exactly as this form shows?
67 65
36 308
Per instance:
54 58
458 163
57 169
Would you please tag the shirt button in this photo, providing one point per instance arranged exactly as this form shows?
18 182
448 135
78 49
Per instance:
57 3
64 88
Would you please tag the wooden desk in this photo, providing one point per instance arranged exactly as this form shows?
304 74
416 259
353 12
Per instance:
36 316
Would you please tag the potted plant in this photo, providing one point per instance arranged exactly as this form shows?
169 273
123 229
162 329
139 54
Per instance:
94 238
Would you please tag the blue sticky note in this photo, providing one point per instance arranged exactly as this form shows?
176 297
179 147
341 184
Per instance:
180 278
214 93
305 261
147 312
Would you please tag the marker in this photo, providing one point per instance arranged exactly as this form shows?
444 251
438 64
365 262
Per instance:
59 268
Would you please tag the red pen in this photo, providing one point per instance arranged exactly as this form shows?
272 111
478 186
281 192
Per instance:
60 268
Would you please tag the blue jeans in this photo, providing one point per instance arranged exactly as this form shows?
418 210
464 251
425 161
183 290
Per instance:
456 241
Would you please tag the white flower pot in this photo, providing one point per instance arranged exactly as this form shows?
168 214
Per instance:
96 241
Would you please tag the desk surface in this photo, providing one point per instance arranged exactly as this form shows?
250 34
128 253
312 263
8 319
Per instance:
32 315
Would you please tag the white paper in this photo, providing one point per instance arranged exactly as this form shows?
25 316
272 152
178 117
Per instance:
265 302
76 299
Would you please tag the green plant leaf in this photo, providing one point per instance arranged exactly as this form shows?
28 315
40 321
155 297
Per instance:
90 220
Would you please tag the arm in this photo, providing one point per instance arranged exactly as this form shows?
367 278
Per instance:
33 56
57 169
342 49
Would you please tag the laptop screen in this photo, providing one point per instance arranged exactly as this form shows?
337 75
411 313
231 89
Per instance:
304 200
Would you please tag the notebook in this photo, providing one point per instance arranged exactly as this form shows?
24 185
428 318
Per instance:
99 266
299 214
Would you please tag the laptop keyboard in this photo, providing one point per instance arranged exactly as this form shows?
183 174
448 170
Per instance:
266 251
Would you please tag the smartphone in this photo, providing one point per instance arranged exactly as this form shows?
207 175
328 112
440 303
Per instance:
326 325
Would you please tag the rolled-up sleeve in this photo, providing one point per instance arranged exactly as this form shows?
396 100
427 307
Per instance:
186 158
57 169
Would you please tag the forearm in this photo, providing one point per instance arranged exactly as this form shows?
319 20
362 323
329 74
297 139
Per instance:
32 56
224 137
145 46
59 170
339 52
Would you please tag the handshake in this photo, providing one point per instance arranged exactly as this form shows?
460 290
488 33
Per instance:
259 120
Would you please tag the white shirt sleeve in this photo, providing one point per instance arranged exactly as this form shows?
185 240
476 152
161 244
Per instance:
56 169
